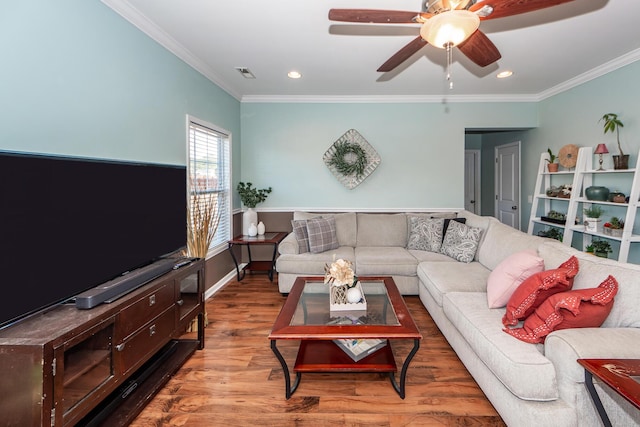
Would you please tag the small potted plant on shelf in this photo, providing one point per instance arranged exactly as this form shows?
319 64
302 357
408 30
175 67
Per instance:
592 221
551 233
552 166
614 227
601 248
613 124
589 249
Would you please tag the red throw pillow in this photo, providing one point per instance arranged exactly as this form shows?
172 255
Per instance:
580 308
537 288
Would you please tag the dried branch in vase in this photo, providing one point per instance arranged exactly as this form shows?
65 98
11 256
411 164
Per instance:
203 217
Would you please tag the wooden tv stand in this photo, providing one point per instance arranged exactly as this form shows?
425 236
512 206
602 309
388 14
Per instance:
58 367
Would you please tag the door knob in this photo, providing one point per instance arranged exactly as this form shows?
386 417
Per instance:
514 208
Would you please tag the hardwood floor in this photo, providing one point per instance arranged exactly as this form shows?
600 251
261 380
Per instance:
237 381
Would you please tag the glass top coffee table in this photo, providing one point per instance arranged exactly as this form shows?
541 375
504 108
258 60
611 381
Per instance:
305 316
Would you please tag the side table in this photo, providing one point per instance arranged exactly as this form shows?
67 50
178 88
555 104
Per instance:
622 375
272 238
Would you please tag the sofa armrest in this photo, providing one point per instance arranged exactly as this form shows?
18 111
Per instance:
289 245
566 346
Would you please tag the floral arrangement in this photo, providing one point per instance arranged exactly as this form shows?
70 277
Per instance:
340 273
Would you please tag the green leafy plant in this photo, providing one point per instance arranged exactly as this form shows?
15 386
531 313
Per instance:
552 157
601 246
594 211
616 223
251 196
613 124
589 249
552 233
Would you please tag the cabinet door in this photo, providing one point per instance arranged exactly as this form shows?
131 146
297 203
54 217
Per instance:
84 372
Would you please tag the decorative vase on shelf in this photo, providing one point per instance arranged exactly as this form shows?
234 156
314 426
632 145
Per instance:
598 193
593 225
253 230
248 217
261 228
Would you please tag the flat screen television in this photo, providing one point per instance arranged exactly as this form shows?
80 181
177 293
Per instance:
70 224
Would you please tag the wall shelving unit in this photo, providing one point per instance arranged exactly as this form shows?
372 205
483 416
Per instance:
581 178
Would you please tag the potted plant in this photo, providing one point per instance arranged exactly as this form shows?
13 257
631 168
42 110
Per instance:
551 233
592 221
552 166
601 248
614 227
589 249
613 124
250 197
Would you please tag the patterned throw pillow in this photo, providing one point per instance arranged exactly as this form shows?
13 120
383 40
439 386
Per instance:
461 241
322 234
425 234
580 308
300 231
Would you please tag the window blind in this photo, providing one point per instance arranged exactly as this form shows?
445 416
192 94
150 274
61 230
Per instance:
210 173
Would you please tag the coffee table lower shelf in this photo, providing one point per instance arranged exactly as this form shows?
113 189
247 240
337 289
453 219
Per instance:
325 356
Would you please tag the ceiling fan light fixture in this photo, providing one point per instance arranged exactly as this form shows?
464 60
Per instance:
449 28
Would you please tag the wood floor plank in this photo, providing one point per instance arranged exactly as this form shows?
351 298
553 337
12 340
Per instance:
236 379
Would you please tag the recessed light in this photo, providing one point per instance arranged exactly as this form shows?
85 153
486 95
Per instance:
504 74
294 75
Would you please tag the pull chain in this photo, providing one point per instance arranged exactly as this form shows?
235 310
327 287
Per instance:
449 61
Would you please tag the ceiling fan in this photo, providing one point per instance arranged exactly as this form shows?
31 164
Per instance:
446 24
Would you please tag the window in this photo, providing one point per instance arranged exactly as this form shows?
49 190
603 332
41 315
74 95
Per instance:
209 170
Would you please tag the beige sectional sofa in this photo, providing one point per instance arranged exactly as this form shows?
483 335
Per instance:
528 384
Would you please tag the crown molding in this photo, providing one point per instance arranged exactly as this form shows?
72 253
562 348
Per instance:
599 71
140 21
387 99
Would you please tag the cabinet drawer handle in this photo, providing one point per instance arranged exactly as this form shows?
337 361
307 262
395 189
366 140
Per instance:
120 347
180 302
152 300
152 330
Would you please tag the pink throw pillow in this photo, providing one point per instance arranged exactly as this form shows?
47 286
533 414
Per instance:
580 308
537 288
509 274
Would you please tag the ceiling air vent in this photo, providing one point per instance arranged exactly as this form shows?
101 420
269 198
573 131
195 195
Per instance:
246 73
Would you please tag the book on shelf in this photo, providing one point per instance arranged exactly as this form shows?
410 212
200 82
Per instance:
359 348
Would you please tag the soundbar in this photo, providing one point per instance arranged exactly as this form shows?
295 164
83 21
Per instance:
113 289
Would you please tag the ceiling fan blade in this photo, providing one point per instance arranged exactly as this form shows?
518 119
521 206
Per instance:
376 16
480 49
503 8
403 54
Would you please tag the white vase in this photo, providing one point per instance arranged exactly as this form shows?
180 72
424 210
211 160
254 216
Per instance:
253 230
261 228
249 216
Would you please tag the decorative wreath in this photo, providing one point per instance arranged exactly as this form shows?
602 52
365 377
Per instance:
568 156
344 163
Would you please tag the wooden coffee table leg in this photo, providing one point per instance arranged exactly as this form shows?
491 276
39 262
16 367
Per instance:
288 389
403 372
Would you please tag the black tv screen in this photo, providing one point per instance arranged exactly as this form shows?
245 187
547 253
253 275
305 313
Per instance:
70 224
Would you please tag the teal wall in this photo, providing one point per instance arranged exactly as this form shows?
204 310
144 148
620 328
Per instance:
77 79
421 147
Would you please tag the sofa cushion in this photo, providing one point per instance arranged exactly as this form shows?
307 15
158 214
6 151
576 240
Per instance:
421 256
580 308
500 241
520 366
439 278
382 230
593 270
311 264
322 234
509 274
425 234
474 220
302 236
537 288
387 261
461 241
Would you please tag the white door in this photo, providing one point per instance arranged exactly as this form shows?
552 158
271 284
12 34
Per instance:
472 181
508 184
